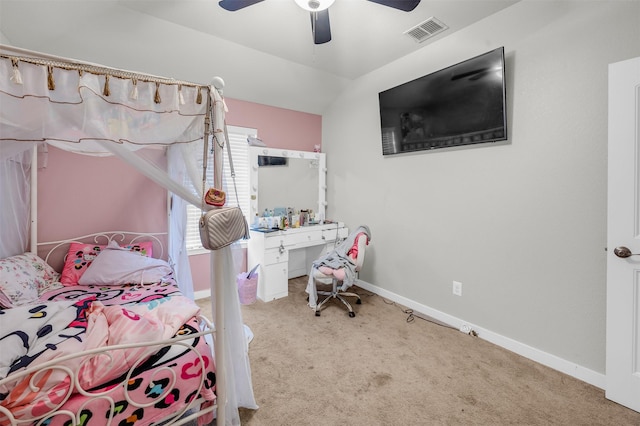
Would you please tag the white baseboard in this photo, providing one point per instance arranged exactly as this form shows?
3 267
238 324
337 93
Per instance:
201 294
544 358
551 361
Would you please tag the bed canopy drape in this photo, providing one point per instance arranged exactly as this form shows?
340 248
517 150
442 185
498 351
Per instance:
95 110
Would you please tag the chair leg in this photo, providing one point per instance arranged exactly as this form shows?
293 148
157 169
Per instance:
335 294
325 300
347 304
357 296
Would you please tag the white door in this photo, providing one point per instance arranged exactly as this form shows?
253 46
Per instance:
623 273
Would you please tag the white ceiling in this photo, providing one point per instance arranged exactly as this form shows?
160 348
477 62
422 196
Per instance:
365 35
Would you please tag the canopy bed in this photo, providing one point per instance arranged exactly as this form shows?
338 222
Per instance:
95 110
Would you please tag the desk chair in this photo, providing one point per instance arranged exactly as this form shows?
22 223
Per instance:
324 274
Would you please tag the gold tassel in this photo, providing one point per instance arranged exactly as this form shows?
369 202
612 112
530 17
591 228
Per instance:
106 90
16 77
51 83
157 99
199 97
134 92
180 97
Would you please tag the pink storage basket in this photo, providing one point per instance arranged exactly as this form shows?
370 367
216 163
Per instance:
247 288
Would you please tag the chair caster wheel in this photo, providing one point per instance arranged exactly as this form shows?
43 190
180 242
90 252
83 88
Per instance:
317 313
352 314
358 302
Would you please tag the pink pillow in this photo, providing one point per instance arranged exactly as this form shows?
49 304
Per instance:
80 256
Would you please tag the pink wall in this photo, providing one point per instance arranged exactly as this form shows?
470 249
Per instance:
79 194
277 127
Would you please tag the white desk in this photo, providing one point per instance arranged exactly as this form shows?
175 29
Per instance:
289 254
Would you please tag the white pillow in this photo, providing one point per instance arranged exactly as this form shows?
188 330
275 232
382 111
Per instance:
21 277
115 265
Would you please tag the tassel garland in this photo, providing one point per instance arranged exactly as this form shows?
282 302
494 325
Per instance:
157 99
180 97
16 77
50 82
134 92
106 91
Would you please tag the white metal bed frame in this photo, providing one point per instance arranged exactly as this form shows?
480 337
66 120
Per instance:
182 417
218 291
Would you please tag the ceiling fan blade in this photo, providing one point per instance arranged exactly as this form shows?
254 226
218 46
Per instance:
320 27
233 5
404 5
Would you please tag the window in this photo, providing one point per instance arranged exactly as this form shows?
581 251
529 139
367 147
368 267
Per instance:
240 156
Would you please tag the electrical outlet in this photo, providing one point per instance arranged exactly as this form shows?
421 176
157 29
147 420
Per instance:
457 288
466 329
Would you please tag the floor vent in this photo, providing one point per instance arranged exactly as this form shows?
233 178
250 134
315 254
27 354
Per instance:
426 29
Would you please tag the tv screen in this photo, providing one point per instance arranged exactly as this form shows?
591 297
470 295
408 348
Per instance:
463 104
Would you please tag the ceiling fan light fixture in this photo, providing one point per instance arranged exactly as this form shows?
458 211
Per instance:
314 5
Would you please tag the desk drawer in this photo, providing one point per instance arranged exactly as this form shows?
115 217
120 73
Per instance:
307 237
330 234
273 241
294 238
274 256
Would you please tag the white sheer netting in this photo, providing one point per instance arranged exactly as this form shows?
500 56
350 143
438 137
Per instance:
78 109
15 189
103 113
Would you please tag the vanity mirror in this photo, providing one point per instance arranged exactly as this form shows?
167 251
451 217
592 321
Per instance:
299 182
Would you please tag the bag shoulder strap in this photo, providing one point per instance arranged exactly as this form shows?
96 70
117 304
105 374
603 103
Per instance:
205 144
231 169
207 133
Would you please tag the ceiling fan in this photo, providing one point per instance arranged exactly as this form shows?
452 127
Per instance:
319 9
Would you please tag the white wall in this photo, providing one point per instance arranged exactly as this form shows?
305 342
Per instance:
114 35
522 225
4 39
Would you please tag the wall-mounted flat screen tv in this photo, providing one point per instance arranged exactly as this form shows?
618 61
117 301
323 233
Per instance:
462 104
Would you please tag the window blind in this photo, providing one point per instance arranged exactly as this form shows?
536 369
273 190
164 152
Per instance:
240 156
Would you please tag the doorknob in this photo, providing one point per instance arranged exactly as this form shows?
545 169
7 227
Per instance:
624 252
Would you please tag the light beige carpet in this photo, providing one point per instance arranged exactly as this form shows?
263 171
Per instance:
381 368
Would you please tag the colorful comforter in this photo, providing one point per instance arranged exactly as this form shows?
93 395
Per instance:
145 383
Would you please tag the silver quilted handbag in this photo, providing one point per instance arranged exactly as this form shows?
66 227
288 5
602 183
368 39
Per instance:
222 227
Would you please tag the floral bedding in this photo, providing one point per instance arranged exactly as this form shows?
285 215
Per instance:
146 384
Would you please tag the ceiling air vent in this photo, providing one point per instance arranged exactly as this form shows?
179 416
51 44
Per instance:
426 29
